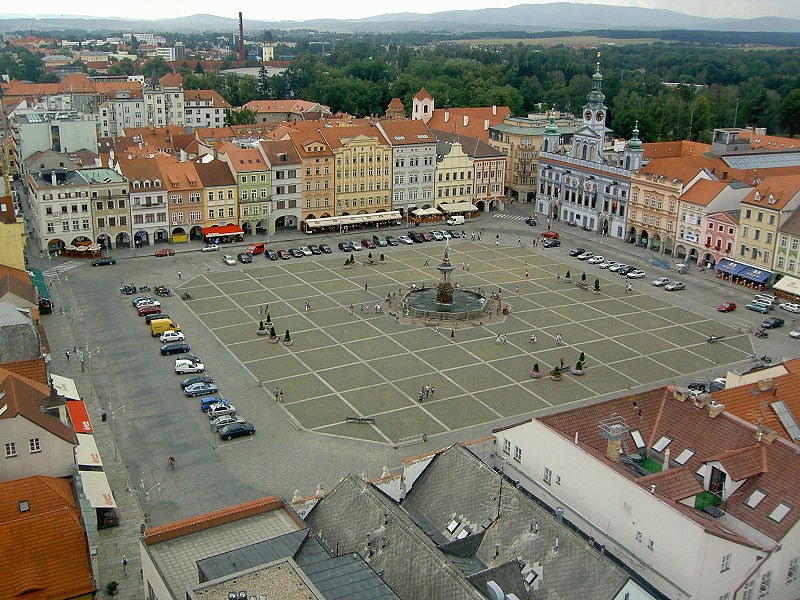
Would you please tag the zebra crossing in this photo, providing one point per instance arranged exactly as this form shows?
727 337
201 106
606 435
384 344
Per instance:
63 268
512 217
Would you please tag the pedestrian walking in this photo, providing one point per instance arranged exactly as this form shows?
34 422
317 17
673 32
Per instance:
421 394
526 274
517 289
124 565
433 392
453 334
261 310
437 328
519 241
277 393
365 286
561 360
280 397
558 277
426 261
629 289
351 310
497 242
266 308
559 340
179 275
467 266
533 339
427 390
67 353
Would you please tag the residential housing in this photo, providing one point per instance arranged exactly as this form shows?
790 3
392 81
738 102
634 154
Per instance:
204 108
284 163
148 201
187 207
164 102
472 121
111 211
220 189
703 503
455 171
721 231
277 111
253 182
316 174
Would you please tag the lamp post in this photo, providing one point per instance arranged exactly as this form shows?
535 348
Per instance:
145 493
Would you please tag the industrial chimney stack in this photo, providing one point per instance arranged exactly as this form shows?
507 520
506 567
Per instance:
241 38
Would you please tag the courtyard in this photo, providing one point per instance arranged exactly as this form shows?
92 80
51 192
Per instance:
365 364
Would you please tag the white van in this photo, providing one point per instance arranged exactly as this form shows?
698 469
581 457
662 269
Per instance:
766 299
455 220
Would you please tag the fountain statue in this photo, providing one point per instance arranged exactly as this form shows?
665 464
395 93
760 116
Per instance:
444 291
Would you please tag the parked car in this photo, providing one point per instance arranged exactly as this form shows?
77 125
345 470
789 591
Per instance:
661 281
356 246
284 255
404 239
625 269
226 420
209 401
236 430
314 249
772 323
254 249
596 260
165 252
426 236
585 256
392 241
367 243
727 307
325 248
209 248
190 358
221 409
305 250
636 274
790 307
102 262
380 240
550 234
345 246
228 260
270 254
174 348
296 252
416 237
795 333
447 235
186 366
195 379
755 306
453 233
200 389
244 257
576 252
674 286
551 243
148 309
171 336
154 316
437 235
606 264
141 300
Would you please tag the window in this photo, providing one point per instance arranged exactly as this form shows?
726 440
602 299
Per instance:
639 536
35 445
791 574
651 545
517 453
780 512
765 587
548 476
684 456
11 449
507 446
747 591
755 498
726 563
661 444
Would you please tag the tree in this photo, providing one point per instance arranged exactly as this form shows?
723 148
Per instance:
198 68
790 112
241 116
48 78
156 64
264 86
123 67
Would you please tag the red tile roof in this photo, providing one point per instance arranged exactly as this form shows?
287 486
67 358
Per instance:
674 149
212 519
684 169
25 397
42 494
674 484
657 413
33 369
423 94
782 189
478 120
703 192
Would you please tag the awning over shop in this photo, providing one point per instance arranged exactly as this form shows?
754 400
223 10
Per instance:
457 207
86 452
727 266
222 231
425 212
79 416
65 387
96 489
790 285
742 270
377 217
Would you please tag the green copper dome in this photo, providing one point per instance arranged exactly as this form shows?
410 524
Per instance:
551 128
635 142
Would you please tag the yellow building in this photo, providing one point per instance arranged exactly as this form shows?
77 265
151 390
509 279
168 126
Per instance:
12 236
764 210
363 163
454 169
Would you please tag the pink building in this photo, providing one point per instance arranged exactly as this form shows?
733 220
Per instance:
721 229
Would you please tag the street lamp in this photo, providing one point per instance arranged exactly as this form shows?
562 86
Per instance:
145 493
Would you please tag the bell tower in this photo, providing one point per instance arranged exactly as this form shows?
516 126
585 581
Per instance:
633 154
594 111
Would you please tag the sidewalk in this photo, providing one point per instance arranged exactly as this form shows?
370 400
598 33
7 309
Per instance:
113 542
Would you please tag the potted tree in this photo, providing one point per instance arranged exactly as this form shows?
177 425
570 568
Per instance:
383 258
536 373
582 357
111 587
596 286
555 374
262 330
287 341
578 368
268 322
273 339
568 277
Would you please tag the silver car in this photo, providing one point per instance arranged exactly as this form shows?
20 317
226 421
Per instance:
228 260
218 410
226 420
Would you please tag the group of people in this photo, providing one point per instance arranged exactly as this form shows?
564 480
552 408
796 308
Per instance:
501 338
426 391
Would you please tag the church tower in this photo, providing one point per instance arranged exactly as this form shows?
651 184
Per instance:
551 137
594 111
422 105
634 153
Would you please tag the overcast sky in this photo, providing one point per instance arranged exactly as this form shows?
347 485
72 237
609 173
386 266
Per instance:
311 9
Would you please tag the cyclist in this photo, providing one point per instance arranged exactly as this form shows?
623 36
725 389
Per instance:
171 462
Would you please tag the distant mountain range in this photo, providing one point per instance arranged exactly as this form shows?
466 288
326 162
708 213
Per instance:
557 16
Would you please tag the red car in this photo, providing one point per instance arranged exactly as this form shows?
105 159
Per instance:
427 236
727 307
284 254
368 243
550 234
165 252
148 310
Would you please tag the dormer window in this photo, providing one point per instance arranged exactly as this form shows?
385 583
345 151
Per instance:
757 196
157 183
771 199
755 498
137 184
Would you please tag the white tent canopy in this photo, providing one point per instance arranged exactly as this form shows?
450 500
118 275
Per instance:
86 452
424 212
376 217
457 207
96 489
65 387
790 285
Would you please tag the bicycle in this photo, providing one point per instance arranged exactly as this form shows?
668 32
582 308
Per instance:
171 463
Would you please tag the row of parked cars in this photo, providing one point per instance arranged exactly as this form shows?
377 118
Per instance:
413 237
222 415
614 267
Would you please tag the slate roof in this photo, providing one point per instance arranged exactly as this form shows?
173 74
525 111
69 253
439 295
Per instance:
472 146
656 413
456 485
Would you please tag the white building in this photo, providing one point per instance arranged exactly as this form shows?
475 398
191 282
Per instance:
37 131
702 503
163 102
204 108
284 162
414 159
124 109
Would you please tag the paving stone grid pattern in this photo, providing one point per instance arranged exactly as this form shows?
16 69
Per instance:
367 365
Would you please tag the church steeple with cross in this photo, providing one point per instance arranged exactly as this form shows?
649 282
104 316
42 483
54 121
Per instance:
594 111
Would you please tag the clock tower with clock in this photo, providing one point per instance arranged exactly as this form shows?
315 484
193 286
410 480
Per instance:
594 111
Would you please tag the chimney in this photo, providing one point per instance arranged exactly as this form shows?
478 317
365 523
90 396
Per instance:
665 466
494 110
446 115
466 120
765 434
715 409
486 124
53 178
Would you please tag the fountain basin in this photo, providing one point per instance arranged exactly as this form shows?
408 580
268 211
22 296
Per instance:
463 301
